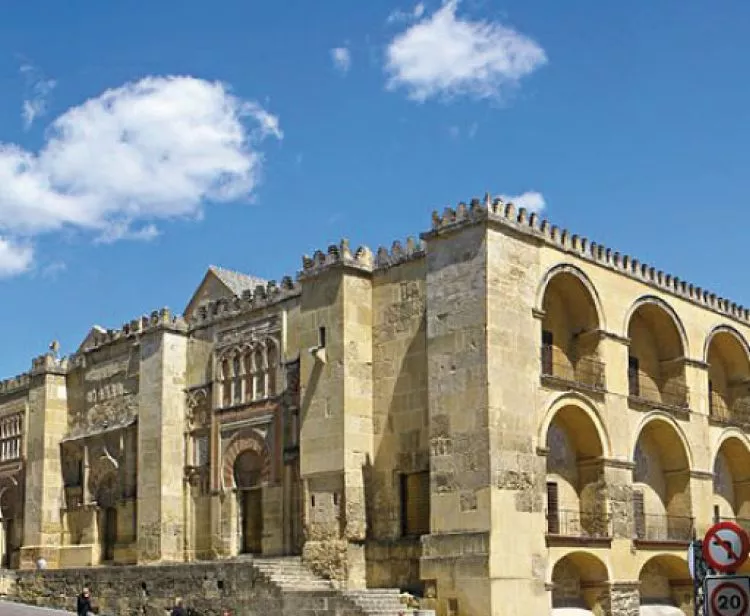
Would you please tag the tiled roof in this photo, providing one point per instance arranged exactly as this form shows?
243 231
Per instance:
236 281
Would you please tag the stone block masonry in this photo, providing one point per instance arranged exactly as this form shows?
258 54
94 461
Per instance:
242 586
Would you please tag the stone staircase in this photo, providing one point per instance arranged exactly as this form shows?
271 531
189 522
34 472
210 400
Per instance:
290 575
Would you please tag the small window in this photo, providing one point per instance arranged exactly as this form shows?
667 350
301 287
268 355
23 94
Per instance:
717 514
322 337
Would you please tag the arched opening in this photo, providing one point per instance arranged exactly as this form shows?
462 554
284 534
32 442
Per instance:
579 585
576 495
656 361
248 474
570 333
226 383
731 500
11 525
107 496
661 485
666 588
728 378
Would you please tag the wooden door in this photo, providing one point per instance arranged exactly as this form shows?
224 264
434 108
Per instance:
109 534
252 521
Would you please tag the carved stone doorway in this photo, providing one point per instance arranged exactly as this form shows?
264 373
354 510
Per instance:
248 468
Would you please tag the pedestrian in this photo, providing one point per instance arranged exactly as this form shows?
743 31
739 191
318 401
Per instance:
178 609
83 607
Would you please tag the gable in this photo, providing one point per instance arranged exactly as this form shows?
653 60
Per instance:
88 341
220 283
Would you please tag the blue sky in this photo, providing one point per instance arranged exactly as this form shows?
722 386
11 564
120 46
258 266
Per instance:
627 122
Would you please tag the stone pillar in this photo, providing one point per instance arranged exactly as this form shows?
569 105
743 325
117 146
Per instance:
618 483
46 425
701 495
161 446
623 599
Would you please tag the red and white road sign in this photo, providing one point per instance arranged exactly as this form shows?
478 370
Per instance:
727 595
726 547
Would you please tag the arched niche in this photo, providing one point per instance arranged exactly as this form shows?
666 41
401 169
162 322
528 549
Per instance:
661 482
580 580
657 355
665 582
571 326
731 481
576 495
728 376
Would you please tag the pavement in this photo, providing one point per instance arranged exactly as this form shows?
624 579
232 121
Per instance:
17 609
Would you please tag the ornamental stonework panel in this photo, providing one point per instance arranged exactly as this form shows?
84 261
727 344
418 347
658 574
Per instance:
110 397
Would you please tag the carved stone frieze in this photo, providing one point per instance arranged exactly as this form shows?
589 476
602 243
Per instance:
110 414
248 332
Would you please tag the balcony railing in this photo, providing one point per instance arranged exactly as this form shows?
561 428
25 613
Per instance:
583 371
653 527
579 524
673 395
738 412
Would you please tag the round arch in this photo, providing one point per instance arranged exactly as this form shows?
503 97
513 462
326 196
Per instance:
585 410
730 331
247 440
596 569
656 577
665 424
652 300
583 279
725 435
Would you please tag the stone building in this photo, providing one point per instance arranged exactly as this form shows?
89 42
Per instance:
504 417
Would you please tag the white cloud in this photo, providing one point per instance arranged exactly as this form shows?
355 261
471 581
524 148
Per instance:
531 200
401 16
342 59
15 258
446 56
156 149
38 89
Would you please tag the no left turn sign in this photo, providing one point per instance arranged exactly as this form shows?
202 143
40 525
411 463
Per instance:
726 547
727 596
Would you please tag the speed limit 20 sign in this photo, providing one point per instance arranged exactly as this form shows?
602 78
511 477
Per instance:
727 595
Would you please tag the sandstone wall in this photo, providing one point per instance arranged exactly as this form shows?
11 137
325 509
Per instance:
207 588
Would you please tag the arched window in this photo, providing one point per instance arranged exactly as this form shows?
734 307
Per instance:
247 361
272 357
236 380
226 384
260 376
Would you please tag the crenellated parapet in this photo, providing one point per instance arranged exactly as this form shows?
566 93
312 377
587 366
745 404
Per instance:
15 384
337 256
262 297
399 253
158 319
49 363
529 223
